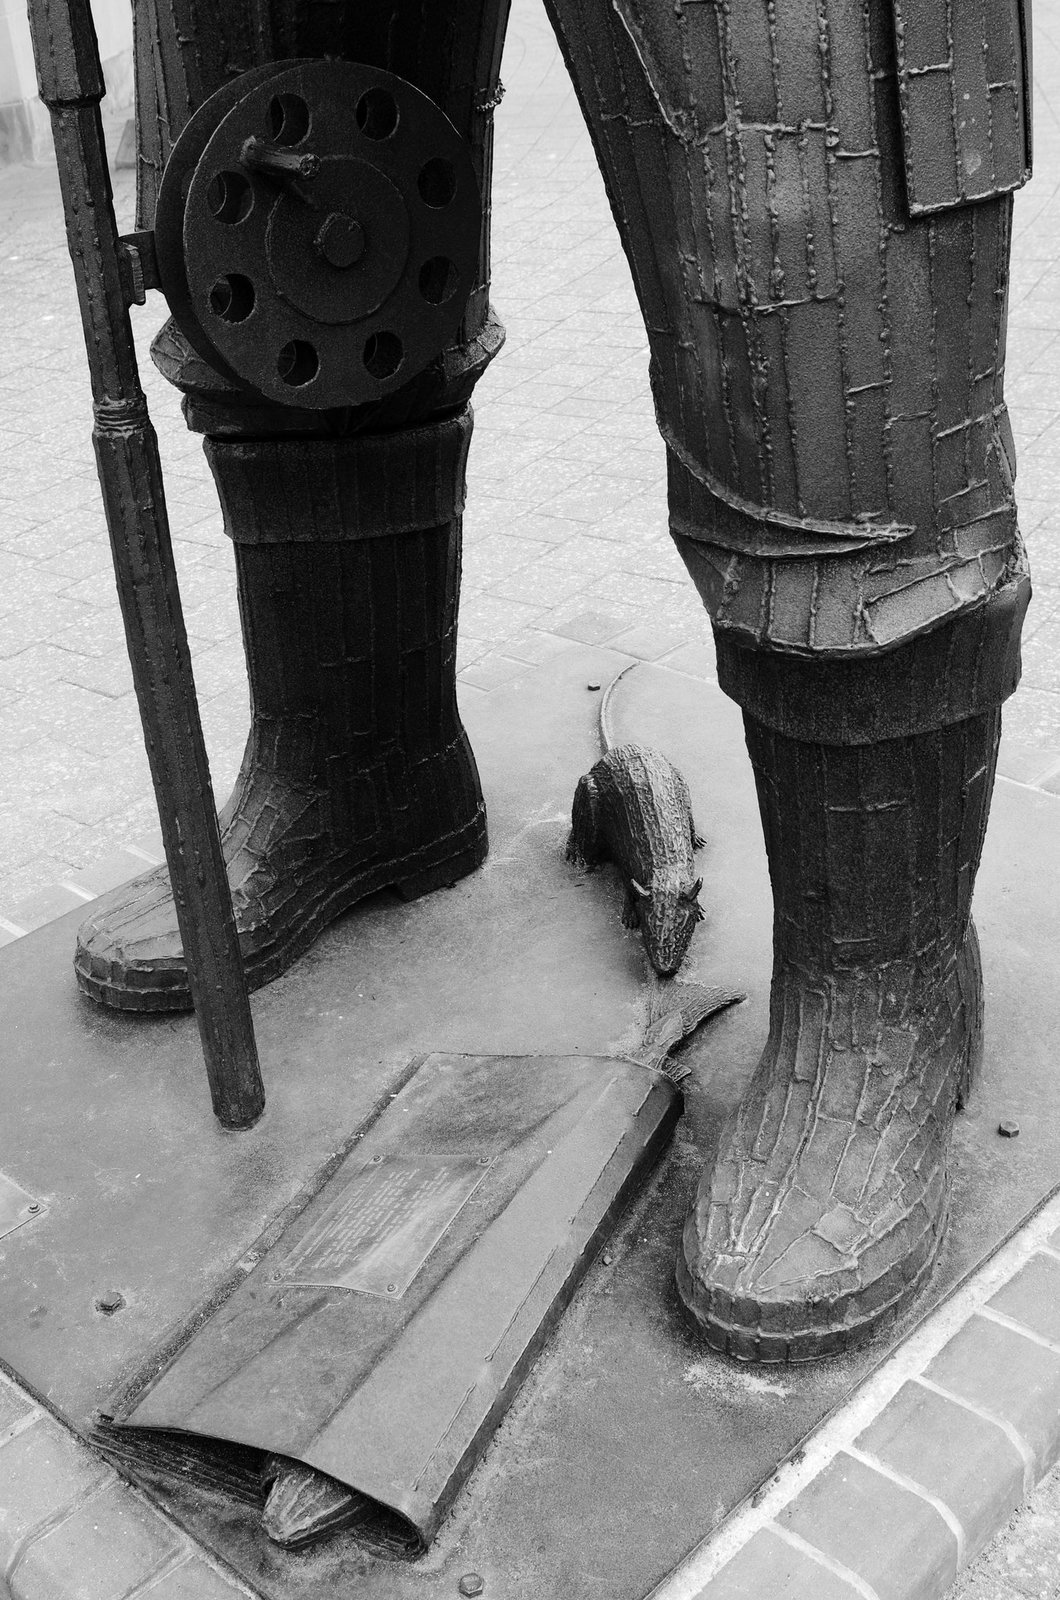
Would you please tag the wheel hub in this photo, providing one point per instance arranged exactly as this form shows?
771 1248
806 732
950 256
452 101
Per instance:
317 232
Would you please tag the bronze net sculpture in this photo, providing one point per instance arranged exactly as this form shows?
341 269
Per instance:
815 200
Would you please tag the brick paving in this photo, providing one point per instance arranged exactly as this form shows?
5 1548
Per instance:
70 1527
565 532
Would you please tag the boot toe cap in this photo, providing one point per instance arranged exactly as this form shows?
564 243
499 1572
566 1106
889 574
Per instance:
129 954
812 1284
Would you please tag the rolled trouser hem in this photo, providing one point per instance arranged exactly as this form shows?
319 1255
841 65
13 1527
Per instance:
964 667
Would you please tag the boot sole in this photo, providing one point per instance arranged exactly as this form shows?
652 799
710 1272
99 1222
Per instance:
430 871
748 1342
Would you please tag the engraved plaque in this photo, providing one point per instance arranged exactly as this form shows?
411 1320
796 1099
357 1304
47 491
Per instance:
377 1233
16 1206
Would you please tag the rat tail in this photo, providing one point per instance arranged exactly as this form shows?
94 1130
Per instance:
607 732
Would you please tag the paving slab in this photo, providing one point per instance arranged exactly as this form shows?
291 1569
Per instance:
630 1441
70 1529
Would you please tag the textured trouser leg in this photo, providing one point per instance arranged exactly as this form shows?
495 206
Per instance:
970 664
827 369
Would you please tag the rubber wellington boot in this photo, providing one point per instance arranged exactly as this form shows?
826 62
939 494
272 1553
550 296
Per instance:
358 773
828 1198
827 1201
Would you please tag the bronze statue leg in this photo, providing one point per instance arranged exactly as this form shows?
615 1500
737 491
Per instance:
357 773
827 1201
827 373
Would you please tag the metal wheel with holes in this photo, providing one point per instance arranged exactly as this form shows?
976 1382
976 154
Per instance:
317 232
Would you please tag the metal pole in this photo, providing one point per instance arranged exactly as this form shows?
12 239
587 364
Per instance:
130 475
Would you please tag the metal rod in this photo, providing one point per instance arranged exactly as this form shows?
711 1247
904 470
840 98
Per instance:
130 475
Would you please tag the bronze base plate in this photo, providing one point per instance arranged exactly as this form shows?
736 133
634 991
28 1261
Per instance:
628 1441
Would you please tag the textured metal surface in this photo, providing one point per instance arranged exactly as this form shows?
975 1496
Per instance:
172 194
626 1409
633 808
397 1397
375 1234
826 1203
357 773
185 51
327 758
318 234
827 369
16 1205
965 94
303 1506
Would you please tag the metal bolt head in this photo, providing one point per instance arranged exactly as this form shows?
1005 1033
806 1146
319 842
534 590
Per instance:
341 240
391 1288
276 161
33 1207
1008 1128
109 1302
471 1583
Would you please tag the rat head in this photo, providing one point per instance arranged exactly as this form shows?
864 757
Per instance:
668 914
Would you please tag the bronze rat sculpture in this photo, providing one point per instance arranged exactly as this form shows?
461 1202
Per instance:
633 808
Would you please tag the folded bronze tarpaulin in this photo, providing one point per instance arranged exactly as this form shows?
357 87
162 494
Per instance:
382 1337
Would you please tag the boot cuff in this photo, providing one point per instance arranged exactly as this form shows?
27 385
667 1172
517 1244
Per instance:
953 672
290 490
